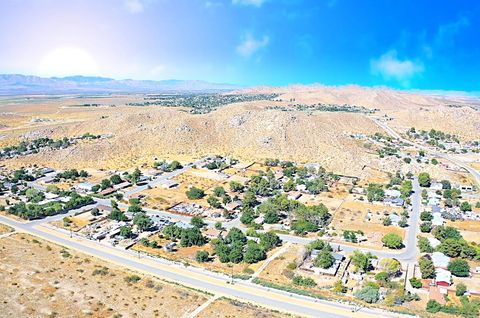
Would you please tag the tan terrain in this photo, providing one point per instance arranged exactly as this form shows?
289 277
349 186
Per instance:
247 130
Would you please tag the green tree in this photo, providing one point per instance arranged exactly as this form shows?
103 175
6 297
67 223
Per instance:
126 231
235 235
142 221
324 259
426 267
195 193
442 233
392 240
424 179
236 186
202 256
415 282
248 215
459 267
192 236
214 202
375 192
368 294
426 216
197 221
461 289
433 306
115 179
269 240
219 191
465 206
426 227
424 245
361 261
254 253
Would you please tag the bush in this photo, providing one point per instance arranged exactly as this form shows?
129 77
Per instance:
368 294
415 282
202 256
461 289
392 240
433 306
303 281
195 193
459 267
132 279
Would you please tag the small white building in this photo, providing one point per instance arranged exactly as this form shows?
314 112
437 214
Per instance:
437 220
440 260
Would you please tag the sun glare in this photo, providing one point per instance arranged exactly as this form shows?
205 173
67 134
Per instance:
67 61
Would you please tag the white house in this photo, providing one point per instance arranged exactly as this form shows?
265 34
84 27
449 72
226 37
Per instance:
437 220
440 260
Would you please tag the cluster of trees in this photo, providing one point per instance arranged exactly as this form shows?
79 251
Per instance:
236 248
167 167
324 258
34 210
187 236
72 174
375 192
33 146
218 198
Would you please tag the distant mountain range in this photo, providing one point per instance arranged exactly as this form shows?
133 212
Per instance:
16 84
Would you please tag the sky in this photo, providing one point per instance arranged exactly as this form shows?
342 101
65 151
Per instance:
429 45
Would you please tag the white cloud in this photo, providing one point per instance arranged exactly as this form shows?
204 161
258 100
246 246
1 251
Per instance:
250 45
255 3
390 67
133 6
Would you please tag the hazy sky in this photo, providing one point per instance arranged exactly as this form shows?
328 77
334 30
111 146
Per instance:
404 44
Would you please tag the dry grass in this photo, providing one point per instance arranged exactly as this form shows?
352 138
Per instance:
227 308
4 229
54 282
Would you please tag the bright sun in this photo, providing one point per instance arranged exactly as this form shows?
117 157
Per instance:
67 61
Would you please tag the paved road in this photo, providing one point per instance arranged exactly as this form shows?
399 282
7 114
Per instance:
246 291
433 152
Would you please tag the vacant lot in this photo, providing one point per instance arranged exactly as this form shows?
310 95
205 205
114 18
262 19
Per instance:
54 282
4 229
228 308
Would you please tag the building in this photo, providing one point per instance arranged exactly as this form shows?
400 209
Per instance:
212 233
436 186
440 260
443 277
332 270
437 220
390 193
85 186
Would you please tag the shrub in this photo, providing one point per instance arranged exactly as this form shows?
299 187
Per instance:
415 282
202 256
195 193
461 289
132 279
392 240
303 281
368 294
459 267
433 306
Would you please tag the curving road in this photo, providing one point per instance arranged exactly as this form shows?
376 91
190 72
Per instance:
192 277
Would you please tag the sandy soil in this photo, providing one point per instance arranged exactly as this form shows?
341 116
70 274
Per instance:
227 308
54 282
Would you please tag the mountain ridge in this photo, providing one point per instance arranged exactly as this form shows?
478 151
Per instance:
18 84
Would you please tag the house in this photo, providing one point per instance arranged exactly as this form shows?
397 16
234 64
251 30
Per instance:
122 185
437 220
443 277
436 209
390 193
233 205
436 186
440 260
332 270
466 188
85 186
358 190
104 208
433 242
394 202
395 218
301 188
107 191
212 233
294 195
168 184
